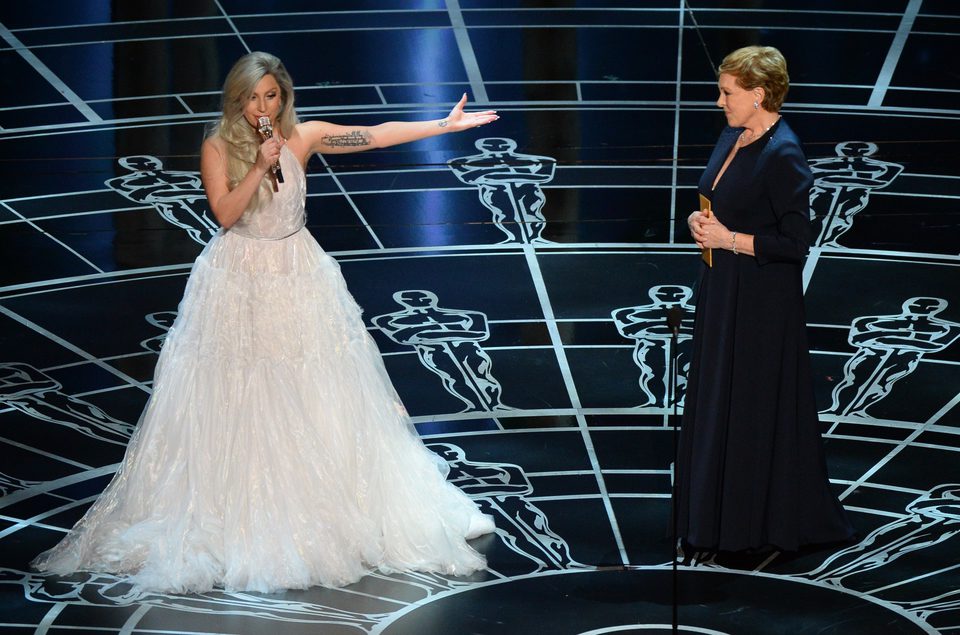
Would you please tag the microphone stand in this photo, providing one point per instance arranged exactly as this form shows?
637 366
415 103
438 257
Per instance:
674 320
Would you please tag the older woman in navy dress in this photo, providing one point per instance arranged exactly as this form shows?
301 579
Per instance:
751 470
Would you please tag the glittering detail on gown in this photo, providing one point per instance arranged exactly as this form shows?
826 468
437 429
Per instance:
274 452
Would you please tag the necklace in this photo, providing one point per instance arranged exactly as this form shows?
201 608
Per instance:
743 140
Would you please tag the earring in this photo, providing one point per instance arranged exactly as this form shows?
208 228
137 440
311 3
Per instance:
756 105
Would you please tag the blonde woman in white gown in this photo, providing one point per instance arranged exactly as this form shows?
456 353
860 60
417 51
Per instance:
274 452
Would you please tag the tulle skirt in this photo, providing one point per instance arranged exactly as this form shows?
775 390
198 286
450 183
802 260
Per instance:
274 452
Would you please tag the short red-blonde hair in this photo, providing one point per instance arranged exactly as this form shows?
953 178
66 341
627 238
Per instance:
760 67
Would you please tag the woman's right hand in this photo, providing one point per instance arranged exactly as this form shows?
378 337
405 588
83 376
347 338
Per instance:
269 153
695 225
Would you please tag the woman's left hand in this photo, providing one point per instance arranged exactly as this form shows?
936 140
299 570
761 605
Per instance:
459 120
710 233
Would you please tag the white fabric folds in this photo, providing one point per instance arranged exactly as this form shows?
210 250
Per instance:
274 452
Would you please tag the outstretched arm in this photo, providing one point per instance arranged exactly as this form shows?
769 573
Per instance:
328 138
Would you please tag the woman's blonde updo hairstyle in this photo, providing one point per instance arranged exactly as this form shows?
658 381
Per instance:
760 67
242 140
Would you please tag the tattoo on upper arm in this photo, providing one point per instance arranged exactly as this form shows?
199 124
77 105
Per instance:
353 139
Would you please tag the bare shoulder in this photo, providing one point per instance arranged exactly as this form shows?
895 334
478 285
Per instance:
213 161
310 132
312 127
213 146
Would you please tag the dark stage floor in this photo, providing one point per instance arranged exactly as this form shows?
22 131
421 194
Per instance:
553 410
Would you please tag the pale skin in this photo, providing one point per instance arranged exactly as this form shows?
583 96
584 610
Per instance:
737 103
307 139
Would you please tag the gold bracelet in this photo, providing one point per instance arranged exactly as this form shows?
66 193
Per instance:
734 241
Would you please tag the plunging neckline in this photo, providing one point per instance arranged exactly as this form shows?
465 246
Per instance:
726 164
729 160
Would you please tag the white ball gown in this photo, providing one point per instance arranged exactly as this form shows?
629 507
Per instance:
274 452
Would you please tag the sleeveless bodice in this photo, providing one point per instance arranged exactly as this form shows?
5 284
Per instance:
284 214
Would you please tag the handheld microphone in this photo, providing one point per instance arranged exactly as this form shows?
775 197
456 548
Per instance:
266 131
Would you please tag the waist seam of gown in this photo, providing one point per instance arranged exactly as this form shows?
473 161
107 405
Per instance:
252 237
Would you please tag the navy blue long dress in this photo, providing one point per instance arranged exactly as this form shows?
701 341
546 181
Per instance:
751 470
